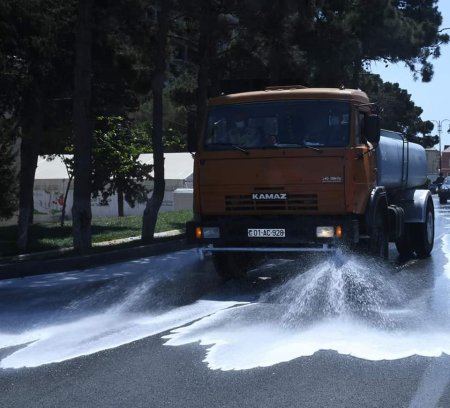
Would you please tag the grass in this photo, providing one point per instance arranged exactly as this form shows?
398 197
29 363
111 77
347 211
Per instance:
47 236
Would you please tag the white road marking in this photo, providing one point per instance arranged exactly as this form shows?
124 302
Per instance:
433 383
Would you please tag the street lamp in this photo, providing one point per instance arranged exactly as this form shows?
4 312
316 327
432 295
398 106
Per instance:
439 129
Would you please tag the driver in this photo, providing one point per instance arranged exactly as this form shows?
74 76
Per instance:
243 135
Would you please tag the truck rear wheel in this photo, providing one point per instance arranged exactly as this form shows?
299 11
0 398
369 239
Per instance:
423 233
231 265
379 243
404 244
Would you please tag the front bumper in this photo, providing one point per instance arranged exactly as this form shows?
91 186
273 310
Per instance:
299 234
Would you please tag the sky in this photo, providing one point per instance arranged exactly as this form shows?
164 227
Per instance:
433 97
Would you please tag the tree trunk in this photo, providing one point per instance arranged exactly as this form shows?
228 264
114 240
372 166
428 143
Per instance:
206 45
277 44
29 150
356 73
120 202
82 129
28 166
154 203
63 211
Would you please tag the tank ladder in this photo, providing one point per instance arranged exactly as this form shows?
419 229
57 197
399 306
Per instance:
405 161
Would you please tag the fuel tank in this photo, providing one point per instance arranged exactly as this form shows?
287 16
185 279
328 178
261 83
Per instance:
399 162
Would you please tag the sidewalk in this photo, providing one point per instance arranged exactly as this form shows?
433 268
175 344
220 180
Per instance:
62 260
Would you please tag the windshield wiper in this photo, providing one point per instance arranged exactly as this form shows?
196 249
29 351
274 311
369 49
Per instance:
233 146
241 149
312 148
298 145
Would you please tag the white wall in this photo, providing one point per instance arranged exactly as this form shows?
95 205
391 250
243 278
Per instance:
49 198
51 182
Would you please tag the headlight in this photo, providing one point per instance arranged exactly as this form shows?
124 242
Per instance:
207 232
325 232
329 232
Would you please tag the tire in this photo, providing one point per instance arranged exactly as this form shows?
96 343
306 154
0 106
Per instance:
404 244
423 233
379 241
231 265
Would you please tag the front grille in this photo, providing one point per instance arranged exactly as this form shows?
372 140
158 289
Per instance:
294 202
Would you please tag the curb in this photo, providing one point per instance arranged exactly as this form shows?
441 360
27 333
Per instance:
59 260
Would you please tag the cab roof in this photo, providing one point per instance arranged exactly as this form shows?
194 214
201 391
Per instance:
288 93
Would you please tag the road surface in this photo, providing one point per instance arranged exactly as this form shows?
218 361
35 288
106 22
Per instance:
164 331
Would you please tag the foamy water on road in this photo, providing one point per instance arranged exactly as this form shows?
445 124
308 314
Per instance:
352 309
355 307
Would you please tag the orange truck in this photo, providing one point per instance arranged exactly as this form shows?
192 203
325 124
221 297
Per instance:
294 169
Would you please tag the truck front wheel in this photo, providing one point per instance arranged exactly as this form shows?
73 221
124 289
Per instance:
379 244
231 265
423 233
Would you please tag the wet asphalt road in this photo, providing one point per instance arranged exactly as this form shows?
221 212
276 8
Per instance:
163 331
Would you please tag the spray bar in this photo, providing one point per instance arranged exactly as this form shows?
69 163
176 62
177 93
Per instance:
323 248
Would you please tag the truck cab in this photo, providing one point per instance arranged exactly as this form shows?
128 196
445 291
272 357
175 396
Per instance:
287 169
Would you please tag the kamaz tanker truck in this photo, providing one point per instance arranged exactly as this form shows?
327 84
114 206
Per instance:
293 169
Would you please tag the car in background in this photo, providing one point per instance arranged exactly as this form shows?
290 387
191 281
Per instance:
434 187
444 191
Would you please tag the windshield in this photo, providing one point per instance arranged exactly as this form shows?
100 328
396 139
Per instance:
278 124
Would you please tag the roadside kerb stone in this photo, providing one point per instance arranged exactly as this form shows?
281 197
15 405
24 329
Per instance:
60 260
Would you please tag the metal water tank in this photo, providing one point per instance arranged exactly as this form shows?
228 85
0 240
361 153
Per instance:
399 162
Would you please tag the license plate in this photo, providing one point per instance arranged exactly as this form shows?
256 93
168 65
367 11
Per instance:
266 232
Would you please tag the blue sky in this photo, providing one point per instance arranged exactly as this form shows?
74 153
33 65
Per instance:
432 97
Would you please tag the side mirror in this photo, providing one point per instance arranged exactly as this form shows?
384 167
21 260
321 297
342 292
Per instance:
373 129
192 139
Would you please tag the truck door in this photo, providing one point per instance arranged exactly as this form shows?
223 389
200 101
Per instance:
364 164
